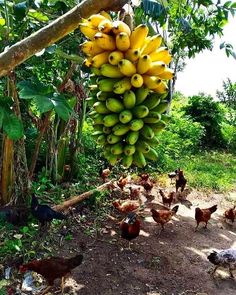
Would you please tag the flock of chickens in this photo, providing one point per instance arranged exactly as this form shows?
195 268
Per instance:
58 267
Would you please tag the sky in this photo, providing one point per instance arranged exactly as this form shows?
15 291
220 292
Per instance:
207 71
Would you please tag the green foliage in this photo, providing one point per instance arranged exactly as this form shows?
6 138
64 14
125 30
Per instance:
228 95
201 108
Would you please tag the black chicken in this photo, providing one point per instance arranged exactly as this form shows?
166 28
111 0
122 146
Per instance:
16 215
44 213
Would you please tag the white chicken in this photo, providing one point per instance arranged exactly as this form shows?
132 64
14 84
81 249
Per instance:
225 258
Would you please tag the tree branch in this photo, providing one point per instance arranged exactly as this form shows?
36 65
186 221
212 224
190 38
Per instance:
53 32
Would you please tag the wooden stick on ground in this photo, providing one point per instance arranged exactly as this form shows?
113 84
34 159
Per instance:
76 199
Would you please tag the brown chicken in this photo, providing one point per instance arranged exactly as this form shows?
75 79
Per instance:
204 215
230 214
130 227
126 206
123 180
180 180
105 173
144 176
167 200
148 185
53 268
134 193
164 216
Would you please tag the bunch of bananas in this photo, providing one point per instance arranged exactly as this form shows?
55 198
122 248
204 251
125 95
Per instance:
131 70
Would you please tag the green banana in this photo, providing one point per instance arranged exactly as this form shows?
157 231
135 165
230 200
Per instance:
141 94
127 161
98 127
120 129
139 159
125 116
151 155
152 142
142 146
117 148
165 118
90 101
159 126
121 86
161 107
153 117
102 96
113 159
132 137
107 84
110 71
140 111
110 120
100 107
152 101
98 119
129 99
136 124
147 132
112 139
101 140
129 150
114 105
106 130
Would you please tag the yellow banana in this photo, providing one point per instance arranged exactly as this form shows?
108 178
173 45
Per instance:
106 15
152 45
119 27
167 74
161 54
105 26
122 41
151 82
105 41
161 88
137 80
132 54
138 36
88 30
144 64
127 67
95 19
157 67
90 48
110 71
115 57
88 62
121 86
100 59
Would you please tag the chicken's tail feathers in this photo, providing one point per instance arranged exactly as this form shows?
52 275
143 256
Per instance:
212 257
75 261
59 215
213 208
175 209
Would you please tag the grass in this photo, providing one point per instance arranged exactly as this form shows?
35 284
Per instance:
210 170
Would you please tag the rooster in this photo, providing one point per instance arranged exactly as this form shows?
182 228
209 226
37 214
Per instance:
130 227
53 268
180 180
164 216
204 215
123 180
224 258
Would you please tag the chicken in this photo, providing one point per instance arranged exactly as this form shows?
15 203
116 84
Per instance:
180 180
105 173
172 175
144 176
16 215
203 215
53 268
123 180
130 227
126 206
134 192
44 213
164 216
167 200
230 214
224 258
148 185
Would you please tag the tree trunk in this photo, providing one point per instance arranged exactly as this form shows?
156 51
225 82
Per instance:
53 32
7 175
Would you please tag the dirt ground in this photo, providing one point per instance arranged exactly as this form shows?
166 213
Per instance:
173 263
